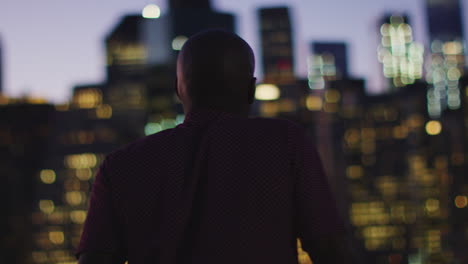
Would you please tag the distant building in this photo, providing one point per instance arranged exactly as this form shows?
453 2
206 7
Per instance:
457 147
84 131
444 19
174 4
401 57
329 61
1 67
277 45
447 59
25 127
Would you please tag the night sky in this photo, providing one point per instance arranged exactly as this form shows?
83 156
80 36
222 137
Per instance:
51 45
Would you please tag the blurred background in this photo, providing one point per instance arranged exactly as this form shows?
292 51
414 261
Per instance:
380 85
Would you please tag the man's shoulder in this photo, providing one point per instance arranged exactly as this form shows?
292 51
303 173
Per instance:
141 145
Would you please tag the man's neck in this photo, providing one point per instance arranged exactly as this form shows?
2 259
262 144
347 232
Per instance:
236 112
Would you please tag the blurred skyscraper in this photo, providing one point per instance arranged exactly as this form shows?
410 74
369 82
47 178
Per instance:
173 4
447 61
277 45
445 20
1 66
25 127
329 61
401 57
83 133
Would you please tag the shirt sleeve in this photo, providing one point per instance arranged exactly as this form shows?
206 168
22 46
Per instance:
101 231
316 211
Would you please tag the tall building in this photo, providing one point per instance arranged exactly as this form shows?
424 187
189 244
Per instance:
1 67
173 4
329 61
24 129
457 145
447 61
84 131
277 45
445 20
400 56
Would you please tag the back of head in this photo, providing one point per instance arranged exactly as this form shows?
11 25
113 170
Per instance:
216 68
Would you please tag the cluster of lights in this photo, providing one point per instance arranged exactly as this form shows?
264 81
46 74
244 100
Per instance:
321 68
87 98
443 74
81 161
127 54
155 127
402 58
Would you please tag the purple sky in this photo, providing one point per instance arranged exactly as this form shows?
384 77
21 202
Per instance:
51 45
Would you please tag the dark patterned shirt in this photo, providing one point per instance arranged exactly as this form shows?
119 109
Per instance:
215 189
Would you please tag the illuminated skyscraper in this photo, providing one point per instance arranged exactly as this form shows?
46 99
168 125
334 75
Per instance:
446 64
84 131
401 57
277 45
329 61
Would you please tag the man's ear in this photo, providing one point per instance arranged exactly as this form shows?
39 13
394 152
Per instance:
252 88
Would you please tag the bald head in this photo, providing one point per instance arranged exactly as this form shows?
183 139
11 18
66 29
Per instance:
215 69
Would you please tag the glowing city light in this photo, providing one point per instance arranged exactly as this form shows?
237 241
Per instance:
56 237
267 92
46 206
314 103
461 201
433 127
152 128
151 11
47 176
179 42
402 58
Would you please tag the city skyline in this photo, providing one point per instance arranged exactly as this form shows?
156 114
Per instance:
76 56
394 161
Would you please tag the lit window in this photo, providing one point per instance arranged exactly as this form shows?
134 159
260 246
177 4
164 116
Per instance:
314 103
267 92
269 109
47 176
354 172
56 237
46 206
461 201
433 127
332 96
78 216
432 205
84 174
104 112
81 161
74 197
87 98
